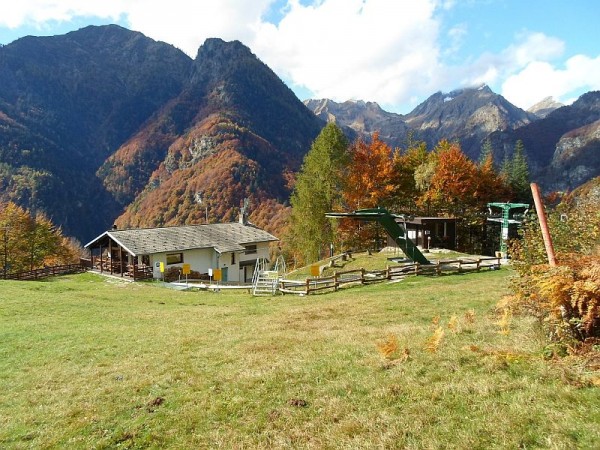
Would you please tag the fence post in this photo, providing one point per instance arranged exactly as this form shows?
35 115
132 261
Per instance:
438 269
417 269
307 286
362 275
459 265
335 281
478 264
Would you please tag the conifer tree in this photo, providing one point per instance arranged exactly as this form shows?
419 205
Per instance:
516 173
486 150
317 191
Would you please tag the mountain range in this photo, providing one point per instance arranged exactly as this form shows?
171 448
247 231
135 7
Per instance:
104 125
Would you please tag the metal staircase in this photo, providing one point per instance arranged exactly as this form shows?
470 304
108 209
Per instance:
264 281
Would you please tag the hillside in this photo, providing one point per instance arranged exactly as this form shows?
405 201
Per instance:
363 119
542 137
105 125
468 115
104 122
66 104
134 365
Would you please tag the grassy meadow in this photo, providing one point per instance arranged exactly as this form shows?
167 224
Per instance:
90 362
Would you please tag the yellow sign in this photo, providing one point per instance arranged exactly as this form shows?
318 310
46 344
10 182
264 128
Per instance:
162 267
315 270
217 274
186 269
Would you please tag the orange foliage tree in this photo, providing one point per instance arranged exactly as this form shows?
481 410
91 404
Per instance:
370 182
29 242
371 175
459 187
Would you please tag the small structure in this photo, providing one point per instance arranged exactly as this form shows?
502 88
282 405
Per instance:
234 248
429 232
506 214
392 225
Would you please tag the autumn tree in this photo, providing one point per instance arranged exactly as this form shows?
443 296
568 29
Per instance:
318 190
453 180
407 183
458 187
28 242
370 177
370 182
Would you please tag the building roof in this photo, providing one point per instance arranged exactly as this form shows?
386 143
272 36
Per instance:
223 237
422 220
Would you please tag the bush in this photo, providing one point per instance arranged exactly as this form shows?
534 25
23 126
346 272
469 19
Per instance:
565 298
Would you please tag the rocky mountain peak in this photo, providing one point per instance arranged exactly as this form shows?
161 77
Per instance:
545 107
468 114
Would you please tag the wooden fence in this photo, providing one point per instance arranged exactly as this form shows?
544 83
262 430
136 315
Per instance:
45 272
362 276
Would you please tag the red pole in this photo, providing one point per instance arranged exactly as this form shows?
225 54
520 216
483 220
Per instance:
539 207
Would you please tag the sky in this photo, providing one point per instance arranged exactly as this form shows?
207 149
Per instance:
394 52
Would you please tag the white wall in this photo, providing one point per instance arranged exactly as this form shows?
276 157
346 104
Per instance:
201 260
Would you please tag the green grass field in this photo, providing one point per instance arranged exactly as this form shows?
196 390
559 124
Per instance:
87 362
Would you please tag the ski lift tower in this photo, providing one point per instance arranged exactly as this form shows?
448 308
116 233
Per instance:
510 213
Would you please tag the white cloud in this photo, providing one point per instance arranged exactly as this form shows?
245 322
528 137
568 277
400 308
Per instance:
39 12
186 24
541 79
492 68
367 49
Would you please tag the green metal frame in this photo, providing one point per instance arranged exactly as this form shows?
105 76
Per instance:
395 230
505 220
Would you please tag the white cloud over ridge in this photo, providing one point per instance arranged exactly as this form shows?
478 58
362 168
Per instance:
393 52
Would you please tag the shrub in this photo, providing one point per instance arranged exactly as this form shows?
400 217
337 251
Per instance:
565 298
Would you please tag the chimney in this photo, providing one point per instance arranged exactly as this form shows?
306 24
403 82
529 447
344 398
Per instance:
243 218
244 212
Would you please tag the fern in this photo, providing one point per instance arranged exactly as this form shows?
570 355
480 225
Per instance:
470 316
504 322
453 324
388 347
433 343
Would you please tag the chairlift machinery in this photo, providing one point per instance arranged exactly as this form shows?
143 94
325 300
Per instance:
508 215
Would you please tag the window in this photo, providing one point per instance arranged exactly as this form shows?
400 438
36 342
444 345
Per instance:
174 258
232 258
250 249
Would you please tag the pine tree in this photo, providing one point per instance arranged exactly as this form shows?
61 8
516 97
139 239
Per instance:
516 172
486 150
317 191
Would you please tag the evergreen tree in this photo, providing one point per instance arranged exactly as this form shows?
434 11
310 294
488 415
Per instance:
486 151
516 172
318 190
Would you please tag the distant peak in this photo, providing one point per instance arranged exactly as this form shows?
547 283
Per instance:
214 46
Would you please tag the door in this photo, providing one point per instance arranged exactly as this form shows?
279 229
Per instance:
224 271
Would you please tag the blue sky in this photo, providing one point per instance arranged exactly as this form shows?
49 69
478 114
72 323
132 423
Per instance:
394 52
